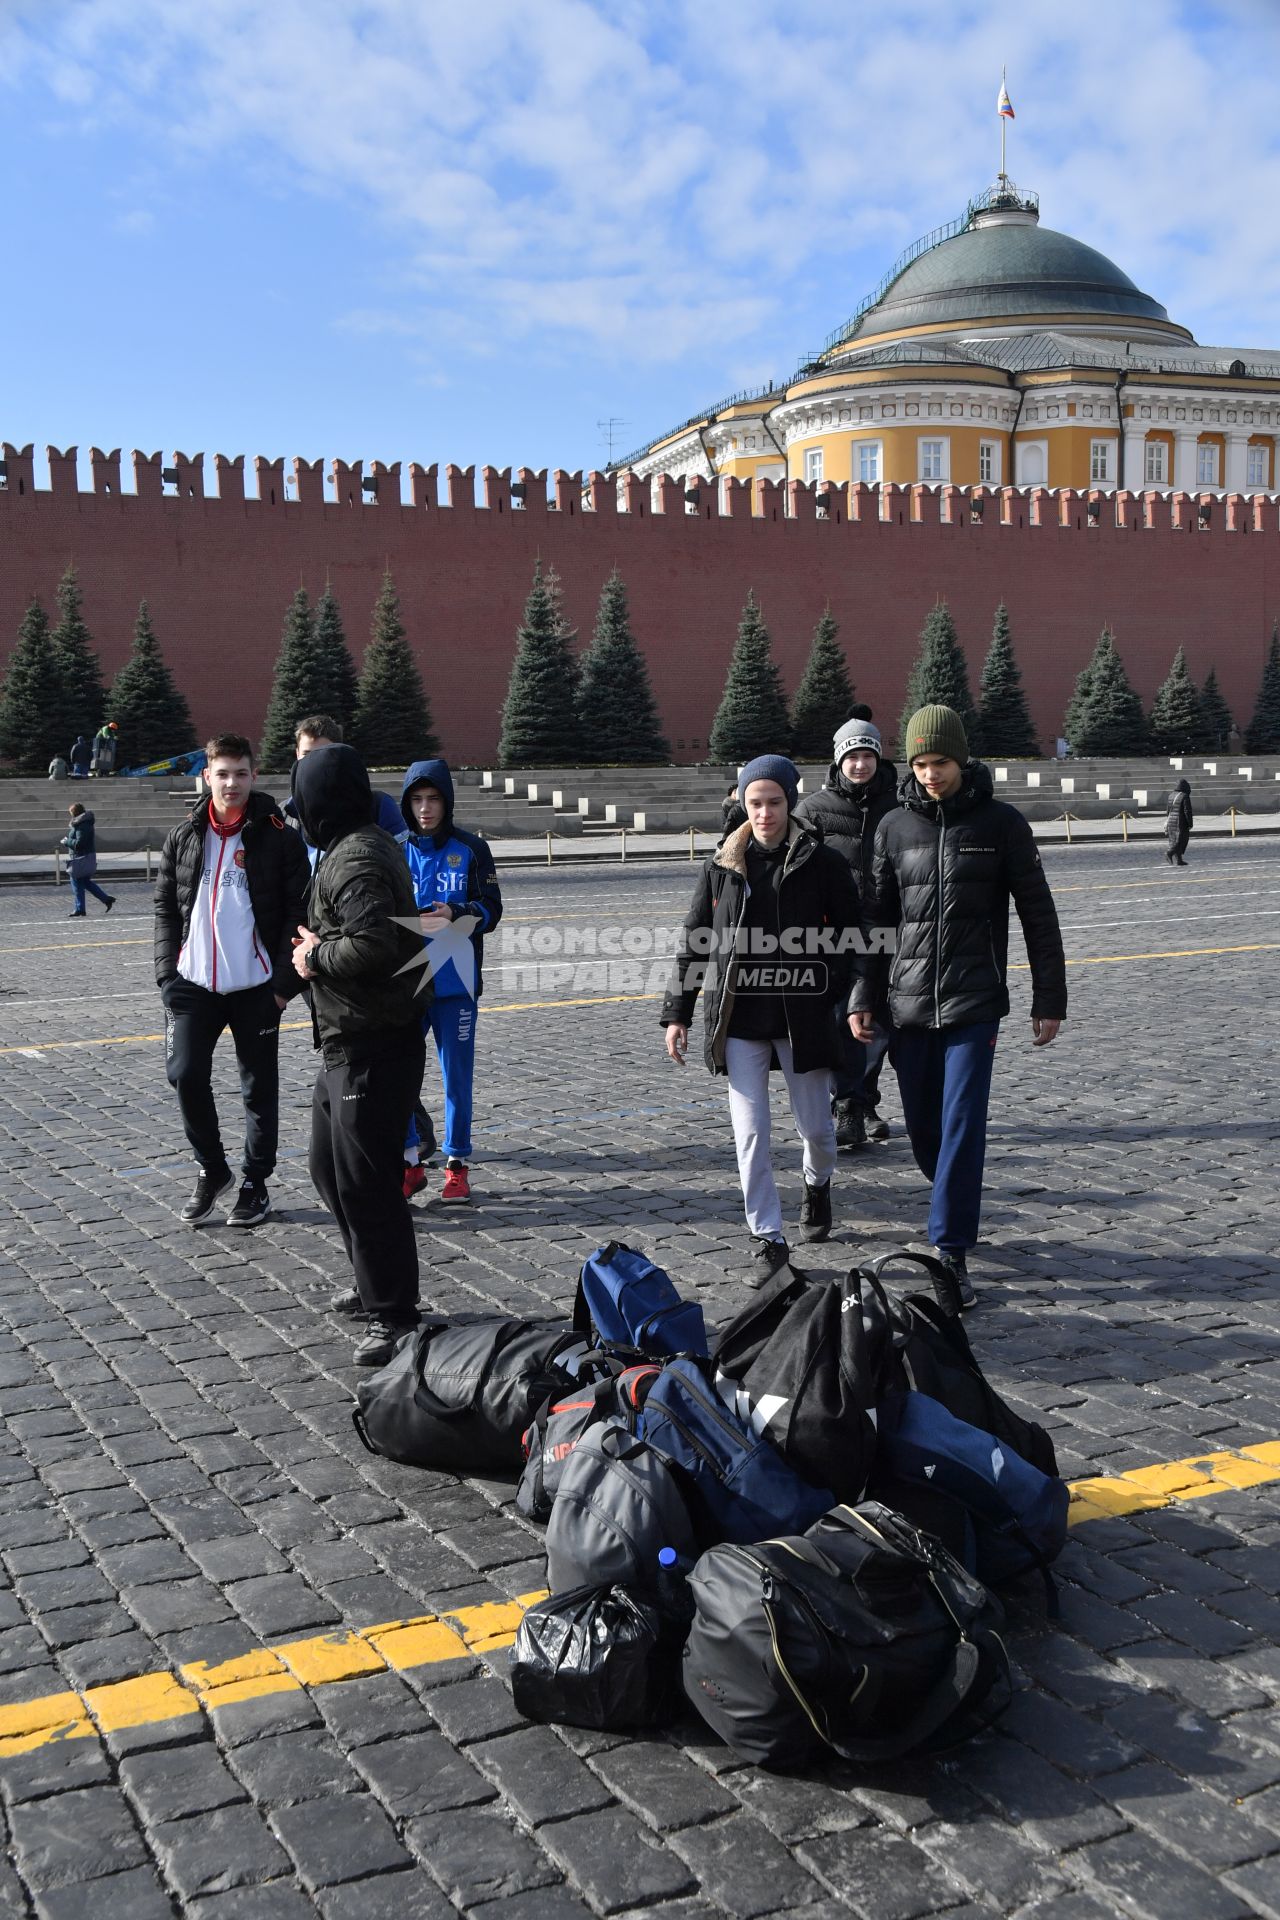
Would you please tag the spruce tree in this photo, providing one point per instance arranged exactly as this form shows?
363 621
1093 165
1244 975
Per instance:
824 695
752 716
32 713
1004 719
335 670
294 686
940 676
1076 706
1177 722
617 714
1218 722
1110 718
1263 735
153 717
539 716
78 674
392 722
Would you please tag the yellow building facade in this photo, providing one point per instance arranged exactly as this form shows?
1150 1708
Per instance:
998 352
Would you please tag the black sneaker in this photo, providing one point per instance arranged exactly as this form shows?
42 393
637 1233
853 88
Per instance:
877 1129
348 1303
109 903
955 1294
815 1212
205 1195
851 1126
253 1204
381 1339
767 1256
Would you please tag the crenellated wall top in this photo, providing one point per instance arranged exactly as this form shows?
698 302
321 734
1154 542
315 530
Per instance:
311 486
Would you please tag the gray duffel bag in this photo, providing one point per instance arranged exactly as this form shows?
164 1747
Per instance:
617 1506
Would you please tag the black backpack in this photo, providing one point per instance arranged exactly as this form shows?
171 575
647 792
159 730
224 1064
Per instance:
800 1365
863 1637
457 1395
558 1426
618 1505
920 1349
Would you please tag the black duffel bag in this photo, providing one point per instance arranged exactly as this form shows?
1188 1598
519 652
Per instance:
861 1637
597 1657
457 1394
800 1365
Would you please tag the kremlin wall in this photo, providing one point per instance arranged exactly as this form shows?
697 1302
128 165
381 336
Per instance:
1165 569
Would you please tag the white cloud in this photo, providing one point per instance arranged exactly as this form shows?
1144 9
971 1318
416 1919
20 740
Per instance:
656 179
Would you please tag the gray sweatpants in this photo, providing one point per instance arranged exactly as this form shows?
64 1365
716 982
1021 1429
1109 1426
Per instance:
747 1066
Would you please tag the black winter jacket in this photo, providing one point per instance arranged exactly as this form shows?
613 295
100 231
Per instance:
848 815
362 906
275 864
943 875
816 891
1179 816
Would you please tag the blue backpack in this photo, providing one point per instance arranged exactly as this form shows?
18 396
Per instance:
742 1489
625 1301
996 1512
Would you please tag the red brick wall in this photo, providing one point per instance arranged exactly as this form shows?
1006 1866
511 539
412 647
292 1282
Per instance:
219 572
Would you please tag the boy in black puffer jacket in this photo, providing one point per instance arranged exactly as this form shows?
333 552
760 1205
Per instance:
861 788
946 864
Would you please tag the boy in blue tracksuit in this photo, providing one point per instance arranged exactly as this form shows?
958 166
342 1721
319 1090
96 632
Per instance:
455 881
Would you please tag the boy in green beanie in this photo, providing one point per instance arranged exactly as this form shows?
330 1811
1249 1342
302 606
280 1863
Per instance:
945 866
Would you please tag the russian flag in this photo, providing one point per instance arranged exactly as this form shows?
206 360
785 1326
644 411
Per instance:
1004 105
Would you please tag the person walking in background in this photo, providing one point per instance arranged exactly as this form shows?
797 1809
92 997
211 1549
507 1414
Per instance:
761 940
454 879
1178 822
860 789
355 954
945 866
231 890
83 861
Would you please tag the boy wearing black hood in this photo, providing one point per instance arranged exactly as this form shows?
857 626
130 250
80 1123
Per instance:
356 954
454 880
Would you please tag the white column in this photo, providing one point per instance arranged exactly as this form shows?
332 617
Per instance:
1184 459
1234 479
1134 474
1275 460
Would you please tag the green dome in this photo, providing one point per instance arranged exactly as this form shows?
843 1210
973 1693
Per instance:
1002 266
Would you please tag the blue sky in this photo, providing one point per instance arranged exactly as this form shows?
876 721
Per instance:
400 229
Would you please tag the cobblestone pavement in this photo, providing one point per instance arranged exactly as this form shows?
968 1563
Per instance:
182 1490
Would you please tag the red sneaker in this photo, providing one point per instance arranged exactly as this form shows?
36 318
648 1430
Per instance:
415 1179
457 1186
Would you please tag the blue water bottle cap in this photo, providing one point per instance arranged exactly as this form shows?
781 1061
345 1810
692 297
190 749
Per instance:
667 1556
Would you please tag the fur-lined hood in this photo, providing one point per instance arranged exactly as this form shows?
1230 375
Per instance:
802 838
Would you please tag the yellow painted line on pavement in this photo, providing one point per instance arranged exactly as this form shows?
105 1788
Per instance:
57 946
622 999
429 1640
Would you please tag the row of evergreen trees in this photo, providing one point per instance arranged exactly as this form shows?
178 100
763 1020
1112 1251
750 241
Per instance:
53 690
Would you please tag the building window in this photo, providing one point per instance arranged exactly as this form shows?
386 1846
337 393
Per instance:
1157 472
1100 462
933 459
1206 466
869 463
1256 474
813 464
989 462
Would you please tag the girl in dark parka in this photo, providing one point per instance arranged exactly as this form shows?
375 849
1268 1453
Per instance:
1178 822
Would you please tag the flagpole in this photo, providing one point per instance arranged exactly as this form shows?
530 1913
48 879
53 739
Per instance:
1004 125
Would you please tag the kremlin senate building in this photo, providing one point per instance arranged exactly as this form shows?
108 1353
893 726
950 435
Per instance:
999 352
1006 419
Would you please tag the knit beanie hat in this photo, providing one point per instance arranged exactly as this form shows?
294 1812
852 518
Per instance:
771 766
936 730
857 736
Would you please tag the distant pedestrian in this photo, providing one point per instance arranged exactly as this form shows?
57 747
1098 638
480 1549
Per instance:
83 862
103 752
57 768
230 894
946 864
860 789
1178 822
732 813
81 756
762 942
355 954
